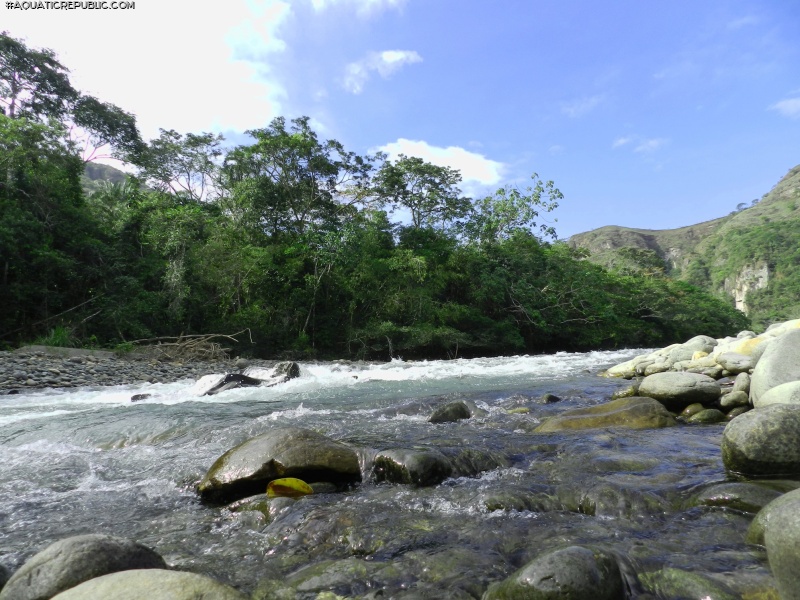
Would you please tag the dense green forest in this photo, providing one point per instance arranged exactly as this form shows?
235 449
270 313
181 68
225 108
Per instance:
316 250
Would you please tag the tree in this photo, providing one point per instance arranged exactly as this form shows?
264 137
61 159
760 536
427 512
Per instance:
427 191
511 210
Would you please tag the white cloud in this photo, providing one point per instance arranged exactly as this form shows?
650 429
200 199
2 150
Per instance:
788 108
621 141
650 145
581 106
474 167
363 7
194 68
640 143
384 63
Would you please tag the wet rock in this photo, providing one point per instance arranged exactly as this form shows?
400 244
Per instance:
574 573
676 583
4 575
286 452
626 392
71 561
706 416
743 496
470 462
763 441
417 467
692 409
289 369
779 364
153 584
782 539
453 411
677 390
610 500
547 398
735 412
140 397
540 498
631 413
785 393
755 533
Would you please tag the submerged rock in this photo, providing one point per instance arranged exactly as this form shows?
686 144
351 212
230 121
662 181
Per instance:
631 413
71 561
153 584
453 411
763 441
286 452
574 573
417 467
677 583
743 496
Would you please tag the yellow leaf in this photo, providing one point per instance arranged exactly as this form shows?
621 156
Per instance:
289 487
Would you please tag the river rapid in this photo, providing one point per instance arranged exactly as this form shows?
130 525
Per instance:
88 460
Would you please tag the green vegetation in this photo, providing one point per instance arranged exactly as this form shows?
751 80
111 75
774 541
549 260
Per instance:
721 255
292 237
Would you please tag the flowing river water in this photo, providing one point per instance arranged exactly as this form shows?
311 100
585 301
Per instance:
88 460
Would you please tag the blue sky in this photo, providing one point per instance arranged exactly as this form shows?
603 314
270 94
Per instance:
645 113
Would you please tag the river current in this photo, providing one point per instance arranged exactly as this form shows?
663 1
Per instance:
89 460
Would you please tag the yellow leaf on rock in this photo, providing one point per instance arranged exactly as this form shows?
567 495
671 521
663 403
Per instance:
288 487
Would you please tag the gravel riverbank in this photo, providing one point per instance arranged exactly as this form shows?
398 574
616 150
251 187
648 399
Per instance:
49 368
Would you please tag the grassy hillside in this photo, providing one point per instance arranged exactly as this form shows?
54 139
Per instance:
751 256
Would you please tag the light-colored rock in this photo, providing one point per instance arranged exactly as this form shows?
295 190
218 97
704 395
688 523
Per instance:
755 533
785 393
735 362
71 561
152 584
741 383
734 399
763 441
678 390
631 413
779 364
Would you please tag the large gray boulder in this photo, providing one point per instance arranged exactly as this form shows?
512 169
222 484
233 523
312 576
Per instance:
152 584
755 533
72 561
785 393
763 441
287 452
779 364
677 390
630 413
782 539
574 573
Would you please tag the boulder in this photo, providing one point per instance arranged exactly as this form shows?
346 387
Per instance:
734 399
763 441
735 362
71 561
286 452
785 393
678 390
153 584
575 572
782 539
453 411
755 533
418 467
741 383
706 416
632 413
779 364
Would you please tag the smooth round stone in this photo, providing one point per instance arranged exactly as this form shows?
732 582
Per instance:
152 584
692 410
574 573
706 416
779 364
755 533
785 393
630 413
782 539
734 399
746 497
677 390
763 441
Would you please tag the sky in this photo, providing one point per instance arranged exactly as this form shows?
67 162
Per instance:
648 114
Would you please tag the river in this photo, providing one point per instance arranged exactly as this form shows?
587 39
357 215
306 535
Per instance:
88 460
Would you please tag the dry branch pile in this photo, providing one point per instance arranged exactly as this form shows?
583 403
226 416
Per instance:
201 347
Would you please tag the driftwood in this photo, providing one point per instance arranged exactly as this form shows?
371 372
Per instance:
199 347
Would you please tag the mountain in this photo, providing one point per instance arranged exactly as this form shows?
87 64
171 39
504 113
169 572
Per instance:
95 174
751 256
